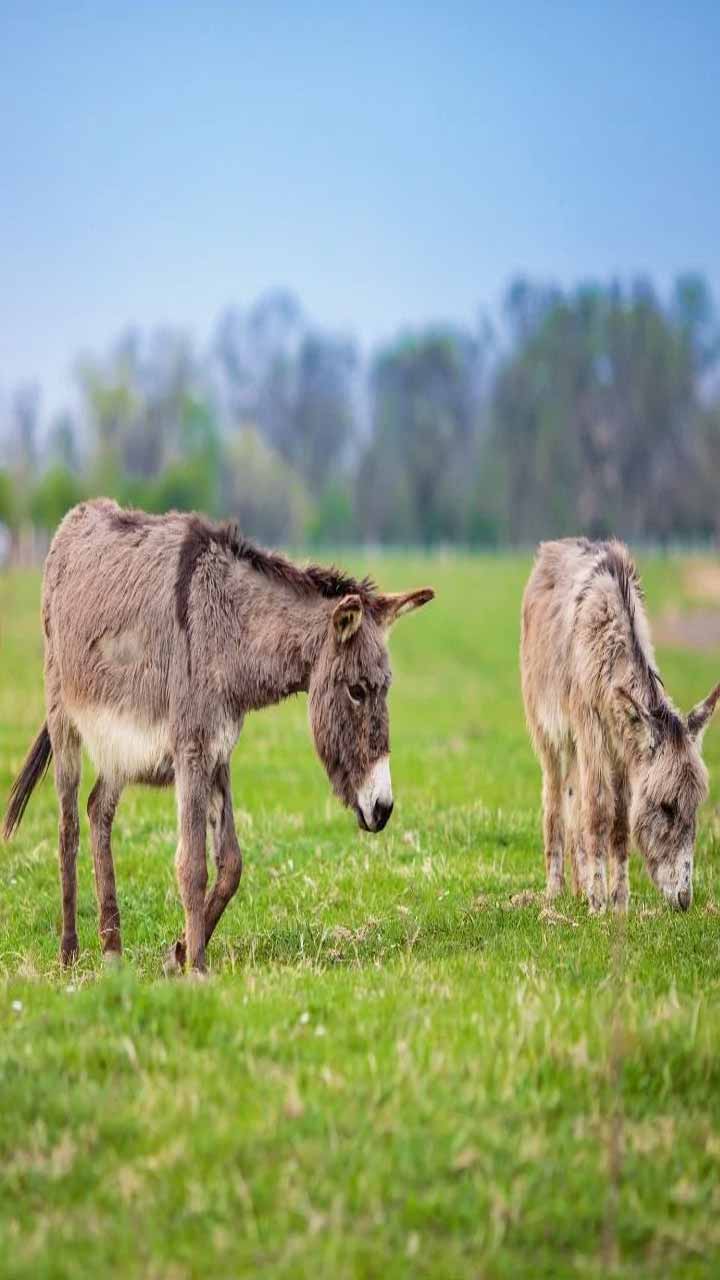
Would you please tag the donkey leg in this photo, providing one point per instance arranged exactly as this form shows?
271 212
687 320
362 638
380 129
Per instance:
619 838
193 794
595 824
101 811
553 822
66 753
228 858
571 812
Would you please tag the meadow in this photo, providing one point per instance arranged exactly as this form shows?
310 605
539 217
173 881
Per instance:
402 1064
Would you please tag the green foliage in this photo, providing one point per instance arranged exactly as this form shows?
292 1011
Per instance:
392 1070
182 486
56 492
8 500
262 491
593 410
423 449
332 523
294 382
597 412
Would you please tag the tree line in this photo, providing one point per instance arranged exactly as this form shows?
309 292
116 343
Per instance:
594 409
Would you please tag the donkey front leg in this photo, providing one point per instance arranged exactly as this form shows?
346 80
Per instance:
66 751
596 817
192 795
571 815
553 824
101 811
228 859
619 837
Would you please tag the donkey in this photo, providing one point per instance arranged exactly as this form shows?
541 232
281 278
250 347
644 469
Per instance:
617 758
161 633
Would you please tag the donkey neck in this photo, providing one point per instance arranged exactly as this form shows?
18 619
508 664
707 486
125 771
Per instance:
279 637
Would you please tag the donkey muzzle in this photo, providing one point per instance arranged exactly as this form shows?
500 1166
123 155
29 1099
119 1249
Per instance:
375 799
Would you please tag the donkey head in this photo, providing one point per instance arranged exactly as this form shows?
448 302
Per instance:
348 702
669 783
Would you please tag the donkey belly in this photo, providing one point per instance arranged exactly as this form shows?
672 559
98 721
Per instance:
123 747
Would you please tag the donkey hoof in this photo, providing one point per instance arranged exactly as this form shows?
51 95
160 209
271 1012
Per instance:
175 959
112 959
198 975
69 950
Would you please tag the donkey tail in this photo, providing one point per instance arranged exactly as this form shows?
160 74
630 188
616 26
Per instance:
33 770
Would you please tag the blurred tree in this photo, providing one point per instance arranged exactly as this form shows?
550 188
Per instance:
693 310
294 383
262 491
323 415
255 353
426 415
600 413
596 413
332 523
8 501
63 442
136 398
26 414
55 493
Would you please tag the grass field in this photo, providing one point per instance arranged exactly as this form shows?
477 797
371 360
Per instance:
393 1070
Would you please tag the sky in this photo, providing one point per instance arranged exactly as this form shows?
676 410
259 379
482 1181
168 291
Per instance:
391 164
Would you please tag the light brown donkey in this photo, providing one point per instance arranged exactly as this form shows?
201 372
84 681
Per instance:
617 758
161 632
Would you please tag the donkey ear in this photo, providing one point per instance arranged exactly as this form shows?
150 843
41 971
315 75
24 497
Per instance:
347 616
638 717
392 605
700 716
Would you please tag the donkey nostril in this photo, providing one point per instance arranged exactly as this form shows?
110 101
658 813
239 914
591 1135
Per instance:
381 814
684 899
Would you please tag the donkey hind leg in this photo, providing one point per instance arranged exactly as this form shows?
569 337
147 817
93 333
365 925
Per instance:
228 860
571 818
67 758
619 839
193 794
553 824
101 811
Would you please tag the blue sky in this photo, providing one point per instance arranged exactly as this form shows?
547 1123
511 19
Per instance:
390 163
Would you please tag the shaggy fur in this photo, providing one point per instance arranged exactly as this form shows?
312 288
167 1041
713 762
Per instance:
161 633
617 758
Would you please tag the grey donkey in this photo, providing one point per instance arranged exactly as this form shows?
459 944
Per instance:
161 633
618 760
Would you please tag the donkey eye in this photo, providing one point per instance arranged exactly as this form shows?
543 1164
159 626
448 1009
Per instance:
669 810
357 692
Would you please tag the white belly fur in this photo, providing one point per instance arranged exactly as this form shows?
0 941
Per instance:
120 746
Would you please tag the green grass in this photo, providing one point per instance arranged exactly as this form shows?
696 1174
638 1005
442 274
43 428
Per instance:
392 1071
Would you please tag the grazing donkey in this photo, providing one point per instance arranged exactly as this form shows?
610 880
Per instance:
161 632
617 758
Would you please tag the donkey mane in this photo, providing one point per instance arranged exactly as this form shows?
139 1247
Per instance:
200 536
615 562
